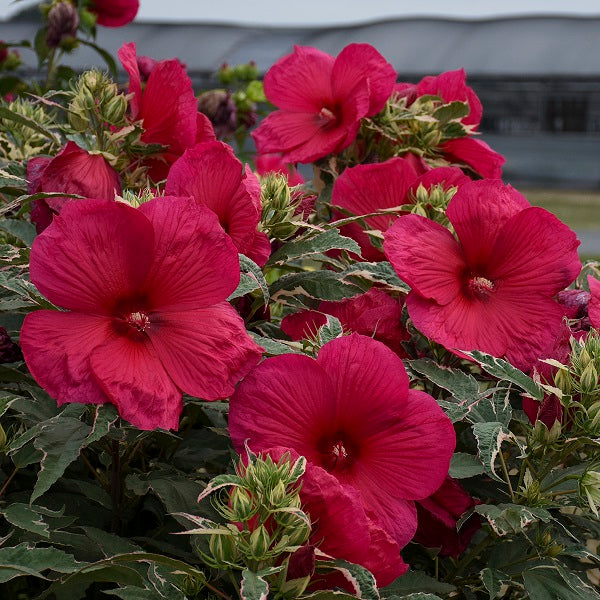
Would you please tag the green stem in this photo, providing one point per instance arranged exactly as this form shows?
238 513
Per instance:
115 487
506 476
51 68
9 479
468 558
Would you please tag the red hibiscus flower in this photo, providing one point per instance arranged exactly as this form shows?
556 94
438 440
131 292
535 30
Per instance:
492 289
451 86
168 108
350 412
72 171
374 314
322 100
214 177
372 187
146 318
114 13
438 515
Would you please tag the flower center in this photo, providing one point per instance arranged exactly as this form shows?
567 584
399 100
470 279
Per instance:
327 118
138 320
338 452
481 286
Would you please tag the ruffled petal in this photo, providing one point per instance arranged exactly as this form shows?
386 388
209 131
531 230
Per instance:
128 56
359 62
134 379
56 346
195 264
594 303
288 401
426 256
300 81
478 211
95 253
205 351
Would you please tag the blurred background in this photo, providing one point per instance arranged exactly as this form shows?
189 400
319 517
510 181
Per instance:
534 64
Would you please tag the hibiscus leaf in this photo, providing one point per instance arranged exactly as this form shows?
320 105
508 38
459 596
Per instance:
9 115
550 581
416 596
465 465
489 440
494 405
330 331
511 518
275 347
417 581
377 272
251 278
463 387
492 580
299 289
22 230
253 587
329 595
360 579
313 244
60 440
219 482
504 371
26 559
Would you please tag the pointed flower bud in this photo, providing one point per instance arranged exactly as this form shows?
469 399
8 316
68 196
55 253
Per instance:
63 22
589 489
278 205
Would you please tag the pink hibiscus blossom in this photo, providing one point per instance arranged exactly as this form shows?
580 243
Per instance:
146 318
451 86
114 13
493 288
366 189
322 100
215 178
375 314
350 413
72 171
168 108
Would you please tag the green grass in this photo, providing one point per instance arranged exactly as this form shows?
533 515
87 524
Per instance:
579 209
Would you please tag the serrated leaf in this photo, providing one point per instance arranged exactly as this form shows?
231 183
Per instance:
511 518
26 517
361 580
544 582
313 244
377 272
452 111
299 289
504 371
60 444
22 230
9 115
330 331
465 465
25 559
219 482
253 587
489 441
105 417
493 405
492 580
251 278
275 347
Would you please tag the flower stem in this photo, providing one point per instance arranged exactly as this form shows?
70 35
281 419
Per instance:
506 476
7 482
115 487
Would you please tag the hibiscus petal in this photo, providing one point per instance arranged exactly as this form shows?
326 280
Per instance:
594 303
475 153
135 380
195 263
128 56
300 137
206 351
359 62
288 401
383 558
56 346
426 256
306 69
94 253
535 253
478 211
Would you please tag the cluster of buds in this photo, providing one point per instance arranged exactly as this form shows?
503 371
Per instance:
279 206
62 25
589 489
19 142
420 127
96 102
263 521
431 202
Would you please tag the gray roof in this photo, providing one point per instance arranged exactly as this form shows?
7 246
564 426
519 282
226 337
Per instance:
519 46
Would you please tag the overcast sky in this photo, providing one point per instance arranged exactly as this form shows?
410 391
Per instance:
315 12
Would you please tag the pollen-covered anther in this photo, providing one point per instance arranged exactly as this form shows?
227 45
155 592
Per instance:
139 320
481 285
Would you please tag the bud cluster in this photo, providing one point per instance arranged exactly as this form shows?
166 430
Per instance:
278 206
264 523
420 127
431 202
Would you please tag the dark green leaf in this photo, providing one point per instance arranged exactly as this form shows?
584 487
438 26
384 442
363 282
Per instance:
417 581
489 440
274 347
253 587
359 578
546 582
25 559
511 518
251 278
378 272
492 580
22 230
465 465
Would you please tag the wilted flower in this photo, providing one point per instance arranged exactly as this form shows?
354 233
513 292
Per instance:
220 108
144 292
350 413
63 22
321 100
493 288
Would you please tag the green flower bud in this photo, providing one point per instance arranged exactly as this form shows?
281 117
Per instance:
260 541
241 505
562 380
554 550
589 379
294 588
278 494
115 110
223 548
589 489
278 206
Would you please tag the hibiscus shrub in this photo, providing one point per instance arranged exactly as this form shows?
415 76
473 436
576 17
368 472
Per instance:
375 378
